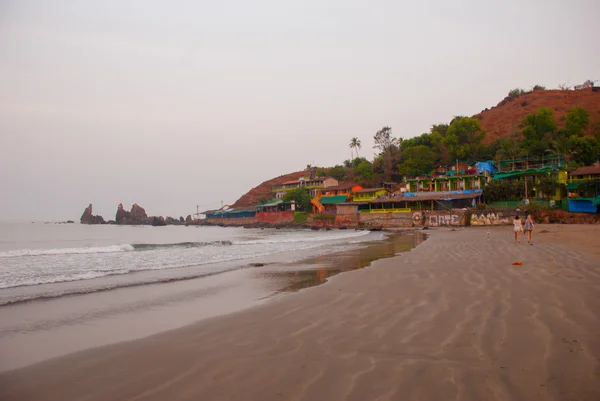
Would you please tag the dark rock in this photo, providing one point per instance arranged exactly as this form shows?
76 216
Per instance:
70 222
188 219
88 218
172 221
158 221
181 220
122 215
136 216
138 213
111 222
524 103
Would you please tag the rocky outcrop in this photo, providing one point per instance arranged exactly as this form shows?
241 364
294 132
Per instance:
137 215
88 218
188 219
122 215
172 221
158 221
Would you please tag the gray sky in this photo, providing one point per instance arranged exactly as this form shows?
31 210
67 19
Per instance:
179 103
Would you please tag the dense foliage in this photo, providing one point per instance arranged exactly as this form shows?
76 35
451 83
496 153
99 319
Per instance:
538 135
301 197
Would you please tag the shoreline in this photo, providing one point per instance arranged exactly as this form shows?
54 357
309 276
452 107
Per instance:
450 319
169 301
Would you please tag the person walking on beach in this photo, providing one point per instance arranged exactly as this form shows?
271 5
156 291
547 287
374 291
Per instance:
529 227
518 227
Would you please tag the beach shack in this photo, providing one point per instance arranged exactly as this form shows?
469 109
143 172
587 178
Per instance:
584 189
369 194
412 201
276 211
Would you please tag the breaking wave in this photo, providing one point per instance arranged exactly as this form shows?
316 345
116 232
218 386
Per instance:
107 249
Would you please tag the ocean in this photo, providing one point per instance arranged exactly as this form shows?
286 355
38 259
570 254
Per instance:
33 255
69 287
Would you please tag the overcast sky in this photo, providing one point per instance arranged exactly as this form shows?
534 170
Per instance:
184 103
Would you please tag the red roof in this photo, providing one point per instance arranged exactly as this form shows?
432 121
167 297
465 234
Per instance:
586 170
290 182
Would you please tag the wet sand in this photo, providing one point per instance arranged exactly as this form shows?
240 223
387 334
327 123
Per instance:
451 319
42 329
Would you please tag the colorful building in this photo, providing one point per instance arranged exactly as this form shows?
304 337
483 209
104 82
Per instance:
327 198
584 189
368 194
532 172
410 202
447 183
312 184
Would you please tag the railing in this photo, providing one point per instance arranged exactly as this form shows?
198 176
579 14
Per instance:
279 189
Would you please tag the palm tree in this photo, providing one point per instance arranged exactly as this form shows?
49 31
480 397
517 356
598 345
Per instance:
563 146
508 149
355 144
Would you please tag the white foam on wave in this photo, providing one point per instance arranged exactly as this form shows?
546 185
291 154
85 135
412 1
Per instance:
66 251
295 239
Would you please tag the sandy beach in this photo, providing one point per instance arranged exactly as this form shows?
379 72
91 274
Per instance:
453 319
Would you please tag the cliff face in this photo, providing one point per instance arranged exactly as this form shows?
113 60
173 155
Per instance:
504 119
264 190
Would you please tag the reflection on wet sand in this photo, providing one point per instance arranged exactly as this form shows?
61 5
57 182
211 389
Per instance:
317 270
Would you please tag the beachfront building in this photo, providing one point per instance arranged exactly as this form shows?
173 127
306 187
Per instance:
531 173
229 213
447 183
327 198
584 189
369 194
312 184
275 211
414 201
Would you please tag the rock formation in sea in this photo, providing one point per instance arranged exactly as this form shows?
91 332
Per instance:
136 216
122 214
88 218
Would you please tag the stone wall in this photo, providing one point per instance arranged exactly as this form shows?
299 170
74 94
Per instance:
242 221
385 220
275 217
345 220
492 217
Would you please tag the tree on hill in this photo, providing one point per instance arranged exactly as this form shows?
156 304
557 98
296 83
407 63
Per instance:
338 172
364 173
508 148
576 121
417 160
463 138
587 149
515 93
300 196
355 144
389 151
538 131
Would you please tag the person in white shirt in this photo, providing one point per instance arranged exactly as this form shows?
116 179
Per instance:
518 227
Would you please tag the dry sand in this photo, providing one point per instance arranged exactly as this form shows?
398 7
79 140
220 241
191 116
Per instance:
451 320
